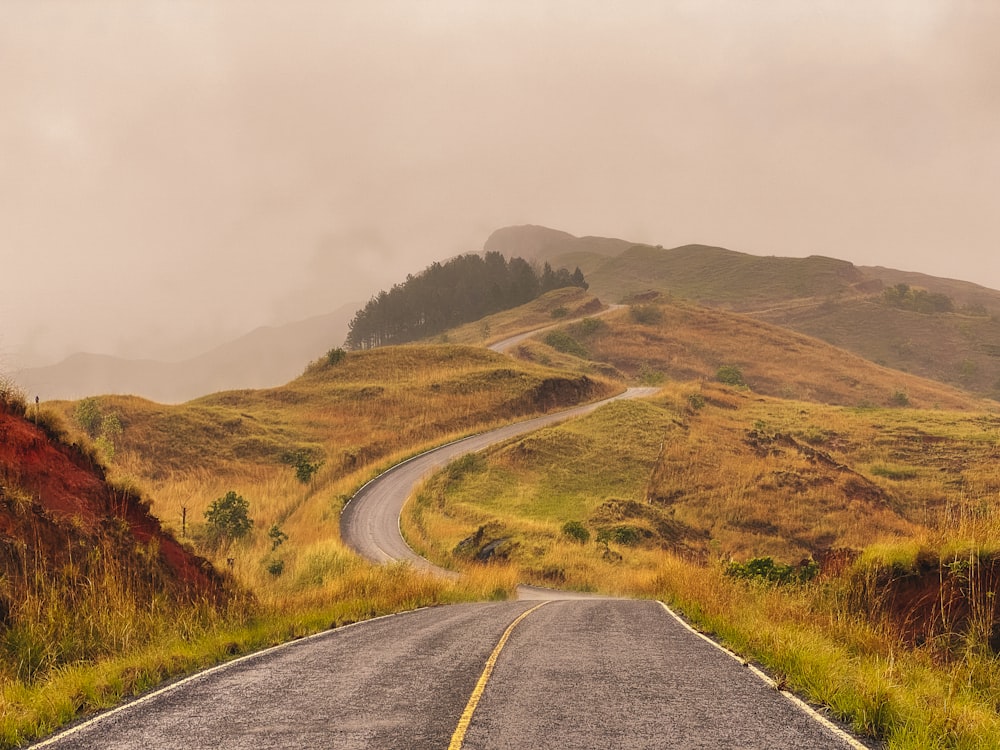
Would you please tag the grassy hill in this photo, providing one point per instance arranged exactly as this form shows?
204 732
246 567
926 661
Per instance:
660 340
828 299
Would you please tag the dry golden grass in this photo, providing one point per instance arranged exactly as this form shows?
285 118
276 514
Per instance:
364 413
549 309
681 341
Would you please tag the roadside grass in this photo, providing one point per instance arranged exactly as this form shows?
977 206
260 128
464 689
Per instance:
730 475
344 590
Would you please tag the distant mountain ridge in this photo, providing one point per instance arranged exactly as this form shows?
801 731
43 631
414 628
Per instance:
265 357
833 300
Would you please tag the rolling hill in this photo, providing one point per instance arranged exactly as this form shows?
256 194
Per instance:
826 298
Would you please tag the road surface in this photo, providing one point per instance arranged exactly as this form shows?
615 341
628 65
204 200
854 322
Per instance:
570 674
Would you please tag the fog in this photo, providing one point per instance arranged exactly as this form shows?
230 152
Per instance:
173 174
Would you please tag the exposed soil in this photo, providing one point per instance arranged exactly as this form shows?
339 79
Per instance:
55 503
937 601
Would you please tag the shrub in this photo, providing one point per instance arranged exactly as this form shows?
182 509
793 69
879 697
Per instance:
576 531
11 397
730 375
228 517
648 315
277 536
766 569
563 342
590 326
560 312
305 467
649 376
276 567
87 414
696 401
899 398
335 356
624 535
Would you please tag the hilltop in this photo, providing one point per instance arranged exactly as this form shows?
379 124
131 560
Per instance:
827 298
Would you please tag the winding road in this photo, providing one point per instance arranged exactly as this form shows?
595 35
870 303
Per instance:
546 671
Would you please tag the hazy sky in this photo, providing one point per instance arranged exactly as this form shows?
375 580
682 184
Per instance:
176 172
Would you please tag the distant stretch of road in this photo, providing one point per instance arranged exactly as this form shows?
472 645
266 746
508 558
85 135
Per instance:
570 675
370 521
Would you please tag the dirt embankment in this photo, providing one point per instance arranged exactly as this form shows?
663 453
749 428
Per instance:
936 601
56 509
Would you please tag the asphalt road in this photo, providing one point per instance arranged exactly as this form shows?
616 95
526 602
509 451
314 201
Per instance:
573 674
370 521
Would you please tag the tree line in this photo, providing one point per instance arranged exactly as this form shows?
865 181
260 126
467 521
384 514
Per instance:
445 295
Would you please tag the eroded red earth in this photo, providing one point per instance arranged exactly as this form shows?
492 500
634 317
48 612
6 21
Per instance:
54 501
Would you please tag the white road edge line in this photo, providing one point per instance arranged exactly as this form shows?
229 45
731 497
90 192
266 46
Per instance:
205 673
766 679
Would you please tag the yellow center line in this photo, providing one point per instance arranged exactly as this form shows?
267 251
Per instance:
463 723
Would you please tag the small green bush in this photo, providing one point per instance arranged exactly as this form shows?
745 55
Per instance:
899 398
767 570
730 375
277 536
560 312
590 326
335 357
563 342
625 535
228 517
576 531
647 315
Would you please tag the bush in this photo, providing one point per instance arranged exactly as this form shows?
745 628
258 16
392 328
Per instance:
899 398
766 569
87 414
563 342
277 536
590 326
730 375
560 312
648 315
276 567
627 536
576 531
12 397
305 467
228 518
335 356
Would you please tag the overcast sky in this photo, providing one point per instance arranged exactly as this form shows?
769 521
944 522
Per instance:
174 173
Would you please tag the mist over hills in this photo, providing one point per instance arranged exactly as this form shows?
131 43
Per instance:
267 356
830 299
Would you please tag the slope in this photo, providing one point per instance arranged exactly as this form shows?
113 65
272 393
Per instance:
826 298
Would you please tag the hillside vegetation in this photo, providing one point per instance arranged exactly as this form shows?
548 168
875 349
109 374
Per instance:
445 295
655 340
957 343
827 516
